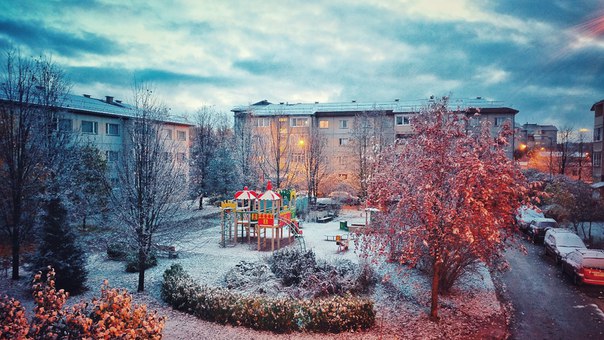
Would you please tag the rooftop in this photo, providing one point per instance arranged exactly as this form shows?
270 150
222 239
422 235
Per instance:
108 106
396 106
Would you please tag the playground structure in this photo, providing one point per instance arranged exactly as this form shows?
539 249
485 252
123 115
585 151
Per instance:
252 214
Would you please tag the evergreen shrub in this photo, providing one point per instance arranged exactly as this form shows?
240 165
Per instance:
281 315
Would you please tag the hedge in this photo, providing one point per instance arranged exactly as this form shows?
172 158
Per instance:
334 315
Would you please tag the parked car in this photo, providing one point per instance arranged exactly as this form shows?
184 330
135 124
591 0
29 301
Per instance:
525 214
585 266
344 197
539 226
560 242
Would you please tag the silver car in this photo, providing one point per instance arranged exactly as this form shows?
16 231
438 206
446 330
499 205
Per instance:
560 242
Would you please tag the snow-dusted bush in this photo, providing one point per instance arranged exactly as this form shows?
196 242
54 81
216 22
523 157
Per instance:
117 251
112 316
336 314
291 265
132 264
248 273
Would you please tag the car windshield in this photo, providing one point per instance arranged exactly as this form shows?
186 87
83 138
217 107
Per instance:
570 240
593 263
547 225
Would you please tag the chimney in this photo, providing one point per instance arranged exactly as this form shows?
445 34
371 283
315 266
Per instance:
396 100
354 101
86 95
109 99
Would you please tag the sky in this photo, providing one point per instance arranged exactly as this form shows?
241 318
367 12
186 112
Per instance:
544 58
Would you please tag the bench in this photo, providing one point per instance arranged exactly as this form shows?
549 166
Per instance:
335 237
325 219
169 251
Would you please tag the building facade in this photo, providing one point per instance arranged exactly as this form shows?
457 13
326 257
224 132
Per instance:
535 136
351 131
598 110
105 124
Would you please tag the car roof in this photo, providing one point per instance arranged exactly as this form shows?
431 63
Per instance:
544 219
560 231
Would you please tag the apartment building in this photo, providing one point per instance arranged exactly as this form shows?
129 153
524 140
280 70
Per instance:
105 123
535 136
340 125
598 109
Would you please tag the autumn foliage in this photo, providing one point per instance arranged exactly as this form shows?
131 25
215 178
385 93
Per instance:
110 316
447 194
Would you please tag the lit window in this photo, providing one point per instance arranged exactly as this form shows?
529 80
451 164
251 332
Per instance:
299 122
112 129
343 176
343 124
90 127
181 135
324 124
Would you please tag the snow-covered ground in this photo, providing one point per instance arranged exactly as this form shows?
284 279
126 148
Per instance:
401 296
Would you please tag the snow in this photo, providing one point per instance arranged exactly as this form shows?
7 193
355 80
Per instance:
401 296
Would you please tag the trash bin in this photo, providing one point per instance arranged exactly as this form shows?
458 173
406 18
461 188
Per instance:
344 225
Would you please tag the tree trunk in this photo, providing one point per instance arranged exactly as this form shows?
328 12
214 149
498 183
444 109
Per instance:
435 279
142 258
16 249
84 222
201 202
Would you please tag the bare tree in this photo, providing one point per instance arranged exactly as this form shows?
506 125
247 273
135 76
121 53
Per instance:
564 149
245 150
151 181
274 151
370 136
31 91
315 162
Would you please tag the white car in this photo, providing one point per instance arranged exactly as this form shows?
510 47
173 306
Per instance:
526 214
560 242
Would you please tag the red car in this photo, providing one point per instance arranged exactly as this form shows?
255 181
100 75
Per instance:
585 266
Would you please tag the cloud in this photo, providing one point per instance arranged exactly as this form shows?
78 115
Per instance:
37 36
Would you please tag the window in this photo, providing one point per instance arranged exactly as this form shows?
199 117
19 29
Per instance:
181 135
261 122
298 157
597 134
112 156
324 124
343 176
168 133
500 120
299 122
402 120
112 129
90 127
65 125
343 124
181 156
342 160
597 159
344 141
166 156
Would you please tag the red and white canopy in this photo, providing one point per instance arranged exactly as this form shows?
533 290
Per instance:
245 194
269 194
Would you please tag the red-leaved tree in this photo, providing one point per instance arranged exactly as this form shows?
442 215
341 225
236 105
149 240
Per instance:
448 196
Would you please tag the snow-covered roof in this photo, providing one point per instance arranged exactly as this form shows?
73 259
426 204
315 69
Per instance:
265 108
108 106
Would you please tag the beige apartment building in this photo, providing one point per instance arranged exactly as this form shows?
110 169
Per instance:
342 126
105 123
598 174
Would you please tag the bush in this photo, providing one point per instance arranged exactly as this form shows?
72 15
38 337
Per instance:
132 264
336 314
109 317
117 251
292 265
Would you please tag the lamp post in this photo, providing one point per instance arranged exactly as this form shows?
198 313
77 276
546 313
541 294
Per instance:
581 139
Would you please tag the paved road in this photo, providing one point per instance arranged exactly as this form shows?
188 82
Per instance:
546 304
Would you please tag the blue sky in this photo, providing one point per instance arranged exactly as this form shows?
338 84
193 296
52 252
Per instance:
544 58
